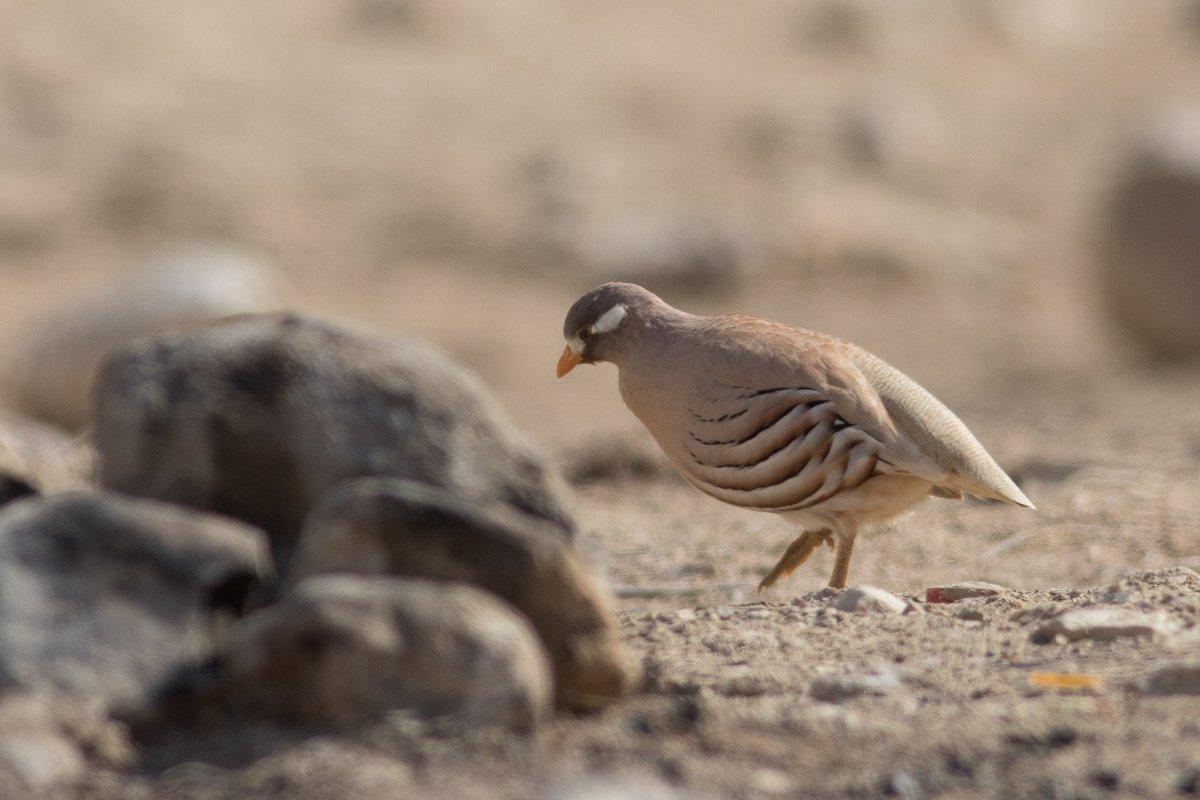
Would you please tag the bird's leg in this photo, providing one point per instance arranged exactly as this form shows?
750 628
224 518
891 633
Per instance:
795 555
841 562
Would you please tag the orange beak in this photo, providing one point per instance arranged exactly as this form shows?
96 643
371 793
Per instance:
567 362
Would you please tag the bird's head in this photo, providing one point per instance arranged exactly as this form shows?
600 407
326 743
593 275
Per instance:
603 323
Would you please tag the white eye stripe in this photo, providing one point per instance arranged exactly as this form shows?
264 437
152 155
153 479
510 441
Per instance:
610 319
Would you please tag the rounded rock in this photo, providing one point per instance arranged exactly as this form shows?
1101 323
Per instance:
410 529
54 370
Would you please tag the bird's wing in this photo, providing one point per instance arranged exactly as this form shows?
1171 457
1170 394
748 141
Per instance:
796 417
941 436
781 420
778 449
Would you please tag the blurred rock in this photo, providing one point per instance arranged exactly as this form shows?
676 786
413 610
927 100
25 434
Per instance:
1101 625
374 16
953 592
53 372
836 687
869 598
36 459
343 650
669 256
1042 25
103 595
857 230
899 129
153 186
614 458
259 417
1190 17
1174 679
318 769
668 253
382 526
1150 240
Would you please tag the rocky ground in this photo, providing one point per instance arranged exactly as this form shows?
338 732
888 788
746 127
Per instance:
996 197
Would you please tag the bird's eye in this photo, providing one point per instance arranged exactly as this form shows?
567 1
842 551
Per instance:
584 334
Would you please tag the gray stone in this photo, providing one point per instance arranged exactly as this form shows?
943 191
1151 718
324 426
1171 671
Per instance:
394 527
343 650
1174 679
1100 625
1150 244
259 417
868 598
963 590
100 595
836 687
614 458
57 363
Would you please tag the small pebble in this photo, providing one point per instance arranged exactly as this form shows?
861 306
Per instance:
836 687
724 612
903 785
758 613
827 617
771 781
869 598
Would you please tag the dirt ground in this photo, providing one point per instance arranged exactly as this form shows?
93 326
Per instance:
927 179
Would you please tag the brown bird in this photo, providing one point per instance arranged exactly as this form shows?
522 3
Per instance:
773 418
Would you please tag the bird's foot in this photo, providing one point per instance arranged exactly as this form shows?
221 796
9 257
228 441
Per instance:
795 555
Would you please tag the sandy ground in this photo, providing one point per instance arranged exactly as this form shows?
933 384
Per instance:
926 179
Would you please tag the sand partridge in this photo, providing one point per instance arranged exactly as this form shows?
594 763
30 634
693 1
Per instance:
774 418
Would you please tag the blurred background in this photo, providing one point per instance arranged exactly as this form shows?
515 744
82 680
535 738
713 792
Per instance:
1002 197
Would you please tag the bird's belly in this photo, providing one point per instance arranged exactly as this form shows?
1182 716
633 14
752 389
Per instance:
878 499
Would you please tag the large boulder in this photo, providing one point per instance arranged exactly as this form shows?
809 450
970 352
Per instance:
102 596
37 459
259 417
343 650
1150 242
395 527
56 364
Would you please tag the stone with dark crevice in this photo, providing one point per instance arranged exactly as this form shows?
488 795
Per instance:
393 527
104 595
